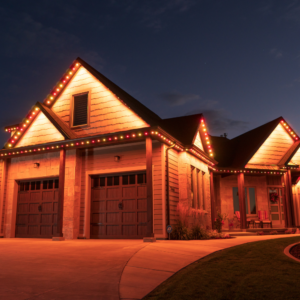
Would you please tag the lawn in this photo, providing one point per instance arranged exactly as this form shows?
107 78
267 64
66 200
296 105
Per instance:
257 270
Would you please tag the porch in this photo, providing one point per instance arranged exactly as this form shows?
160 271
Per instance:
254 202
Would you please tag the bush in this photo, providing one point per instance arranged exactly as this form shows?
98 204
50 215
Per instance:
180 231
198 233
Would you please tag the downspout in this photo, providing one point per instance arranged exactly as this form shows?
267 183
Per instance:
168 183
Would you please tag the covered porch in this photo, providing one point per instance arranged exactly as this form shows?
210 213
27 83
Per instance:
254 200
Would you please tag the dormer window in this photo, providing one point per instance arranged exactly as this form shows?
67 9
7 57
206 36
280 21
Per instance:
80 110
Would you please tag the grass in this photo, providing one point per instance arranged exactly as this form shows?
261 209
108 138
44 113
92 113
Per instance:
257 270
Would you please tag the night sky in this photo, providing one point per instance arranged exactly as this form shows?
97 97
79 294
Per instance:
237 62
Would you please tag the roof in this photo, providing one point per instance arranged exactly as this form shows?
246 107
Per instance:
145 113
183 128
57 122
235 153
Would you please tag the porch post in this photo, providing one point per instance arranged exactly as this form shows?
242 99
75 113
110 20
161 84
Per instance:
150 234
58 236
212 199
289 199
241 191
2 193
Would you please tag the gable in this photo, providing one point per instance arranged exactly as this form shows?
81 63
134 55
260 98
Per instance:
41 131
296 158
273 149
198 142
107 113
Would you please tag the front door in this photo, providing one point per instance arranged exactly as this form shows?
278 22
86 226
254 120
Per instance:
275 195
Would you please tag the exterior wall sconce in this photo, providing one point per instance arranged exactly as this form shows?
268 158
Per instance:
36 165
117 158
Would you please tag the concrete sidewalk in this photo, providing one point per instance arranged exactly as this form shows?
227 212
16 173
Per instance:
153 264
41 269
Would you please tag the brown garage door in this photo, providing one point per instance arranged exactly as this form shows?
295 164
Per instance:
119 206
37 208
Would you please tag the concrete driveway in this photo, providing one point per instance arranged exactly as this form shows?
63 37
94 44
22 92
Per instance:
97 269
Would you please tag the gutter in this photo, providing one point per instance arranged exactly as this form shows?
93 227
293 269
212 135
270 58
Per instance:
168 183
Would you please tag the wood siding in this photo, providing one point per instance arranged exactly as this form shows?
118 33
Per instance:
296 158
107 112
198 141
41 131
174 185
273 149
130 156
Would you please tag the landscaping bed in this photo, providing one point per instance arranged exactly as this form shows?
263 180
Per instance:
258 270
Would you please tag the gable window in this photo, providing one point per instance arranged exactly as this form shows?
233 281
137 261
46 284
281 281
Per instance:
250 200
80 110
197 188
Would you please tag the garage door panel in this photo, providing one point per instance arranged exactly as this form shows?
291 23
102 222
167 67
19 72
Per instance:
21 230
46 218
47 207
119 213
37 202
142 204
129 192
141 191
47 195
113 217
34 218
142 216
46 230
129 230
129 204
21 219
129 217
112 205
142 230
33 207
24 197
33 230
113 193
98 218
22 207
113 230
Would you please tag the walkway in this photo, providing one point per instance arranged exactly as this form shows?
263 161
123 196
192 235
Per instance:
40 269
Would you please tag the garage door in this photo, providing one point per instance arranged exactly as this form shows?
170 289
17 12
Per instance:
119 206
37 208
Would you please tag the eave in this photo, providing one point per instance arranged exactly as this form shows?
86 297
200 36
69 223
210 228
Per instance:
105 140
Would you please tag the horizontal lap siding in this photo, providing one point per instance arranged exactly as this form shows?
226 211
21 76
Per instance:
274 148
174 185
131 155
41 131
107 112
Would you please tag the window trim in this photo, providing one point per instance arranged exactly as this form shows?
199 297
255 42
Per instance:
88 92
247 197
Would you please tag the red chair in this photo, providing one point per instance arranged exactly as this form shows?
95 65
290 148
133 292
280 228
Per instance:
258 223
265 219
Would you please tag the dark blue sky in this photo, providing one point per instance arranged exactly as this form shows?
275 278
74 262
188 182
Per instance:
238 62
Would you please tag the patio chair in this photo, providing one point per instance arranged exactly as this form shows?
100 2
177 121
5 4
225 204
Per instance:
258 223
238 217
265 219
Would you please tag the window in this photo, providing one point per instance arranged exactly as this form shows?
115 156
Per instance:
197 188
80 110
250 201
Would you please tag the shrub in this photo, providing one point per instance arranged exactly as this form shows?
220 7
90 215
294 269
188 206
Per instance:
198 233
180 231
260 233
273 232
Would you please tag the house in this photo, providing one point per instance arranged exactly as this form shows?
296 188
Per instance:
90 161
258 171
